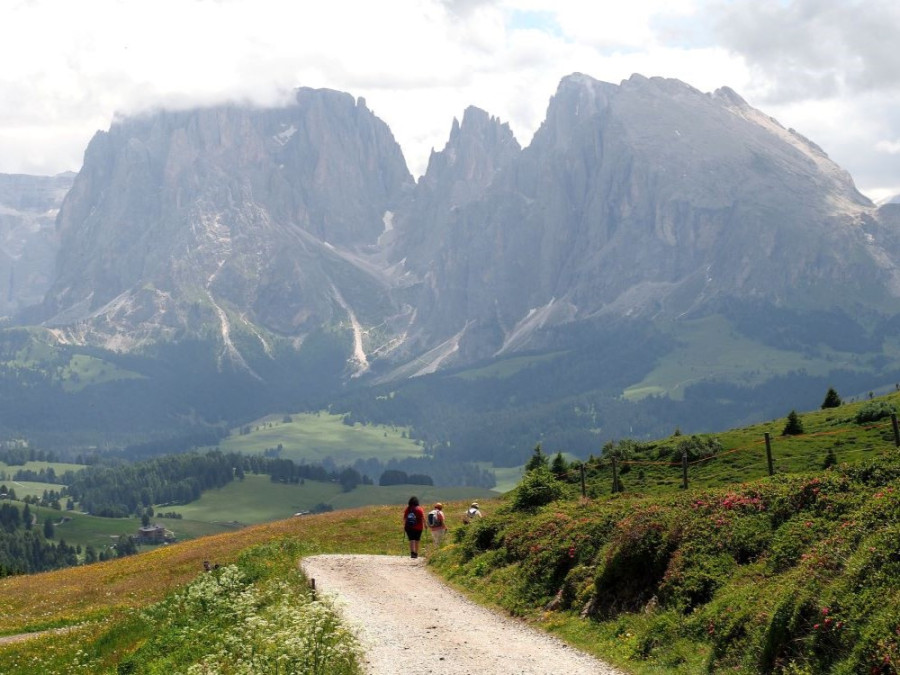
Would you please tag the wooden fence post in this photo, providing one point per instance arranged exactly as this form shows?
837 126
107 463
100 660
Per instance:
769 454
684 465
583 491
615 485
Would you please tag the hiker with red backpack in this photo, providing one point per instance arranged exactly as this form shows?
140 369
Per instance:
413 525
436 523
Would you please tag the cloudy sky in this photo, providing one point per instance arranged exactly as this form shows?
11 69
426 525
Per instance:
828 68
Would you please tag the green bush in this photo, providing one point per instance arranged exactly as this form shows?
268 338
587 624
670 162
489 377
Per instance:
696 447
634 561
538 487
876 648
874 411
477 537
692 578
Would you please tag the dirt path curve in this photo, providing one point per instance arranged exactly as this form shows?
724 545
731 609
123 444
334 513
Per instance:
21 637
409 621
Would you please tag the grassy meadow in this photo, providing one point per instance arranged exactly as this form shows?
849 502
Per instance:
313 437
79 529
257 499
252 501
709 347
135 612
795 574
28 488
83 371
655 467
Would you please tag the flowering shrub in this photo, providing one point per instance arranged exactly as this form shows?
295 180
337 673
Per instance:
240 619
635 559
791 574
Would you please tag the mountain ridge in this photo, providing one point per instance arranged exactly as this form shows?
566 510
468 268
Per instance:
290 248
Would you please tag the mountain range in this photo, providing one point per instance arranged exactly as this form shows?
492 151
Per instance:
28 245
653 247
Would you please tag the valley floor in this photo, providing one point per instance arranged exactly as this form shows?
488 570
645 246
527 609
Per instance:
409 621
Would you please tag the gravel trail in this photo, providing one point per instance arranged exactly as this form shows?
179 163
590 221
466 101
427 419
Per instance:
409 621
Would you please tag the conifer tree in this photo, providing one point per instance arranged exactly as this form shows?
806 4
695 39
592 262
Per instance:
832 400
794 426
538 459
559 467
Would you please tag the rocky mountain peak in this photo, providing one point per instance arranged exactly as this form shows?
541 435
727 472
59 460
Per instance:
647 199
246 210
476 150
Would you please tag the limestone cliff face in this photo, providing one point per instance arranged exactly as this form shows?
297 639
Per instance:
432 238
652 199
28 245
645 199
190 222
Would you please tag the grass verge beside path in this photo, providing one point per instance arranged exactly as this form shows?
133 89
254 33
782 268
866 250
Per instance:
74 595
256 615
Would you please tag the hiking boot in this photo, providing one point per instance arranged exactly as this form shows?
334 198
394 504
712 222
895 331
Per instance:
413 555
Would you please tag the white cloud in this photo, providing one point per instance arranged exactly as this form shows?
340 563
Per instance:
890 147
67 68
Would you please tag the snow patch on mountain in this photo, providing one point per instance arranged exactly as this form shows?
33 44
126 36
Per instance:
284 136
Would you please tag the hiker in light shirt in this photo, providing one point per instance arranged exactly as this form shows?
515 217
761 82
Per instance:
472 513
436 523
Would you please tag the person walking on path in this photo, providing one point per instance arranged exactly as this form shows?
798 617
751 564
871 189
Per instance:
413 525
472 513
437 524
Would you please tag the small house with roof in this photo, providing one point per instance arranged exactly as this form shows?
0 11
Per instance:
154 534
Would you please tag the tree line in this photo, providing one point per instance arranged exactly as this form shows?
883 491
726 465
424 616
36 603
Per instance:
25 549
123 490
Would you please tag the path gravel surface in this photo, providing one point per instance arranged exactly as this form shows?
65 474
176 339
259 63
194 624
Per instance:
410 622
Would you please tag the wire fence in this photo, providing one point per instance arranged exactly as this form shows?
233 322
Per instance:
617 463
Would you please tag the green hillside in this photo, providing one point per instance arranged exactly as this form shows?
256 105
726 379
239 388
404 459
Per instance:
796 573
712 349
738 455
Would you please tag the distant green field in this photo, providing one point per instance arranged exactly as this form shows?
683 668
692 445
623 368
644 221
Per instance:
257 499
254 500
709 347
508 478
365 495
312 437
59 467
82 529
84 370
27 488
